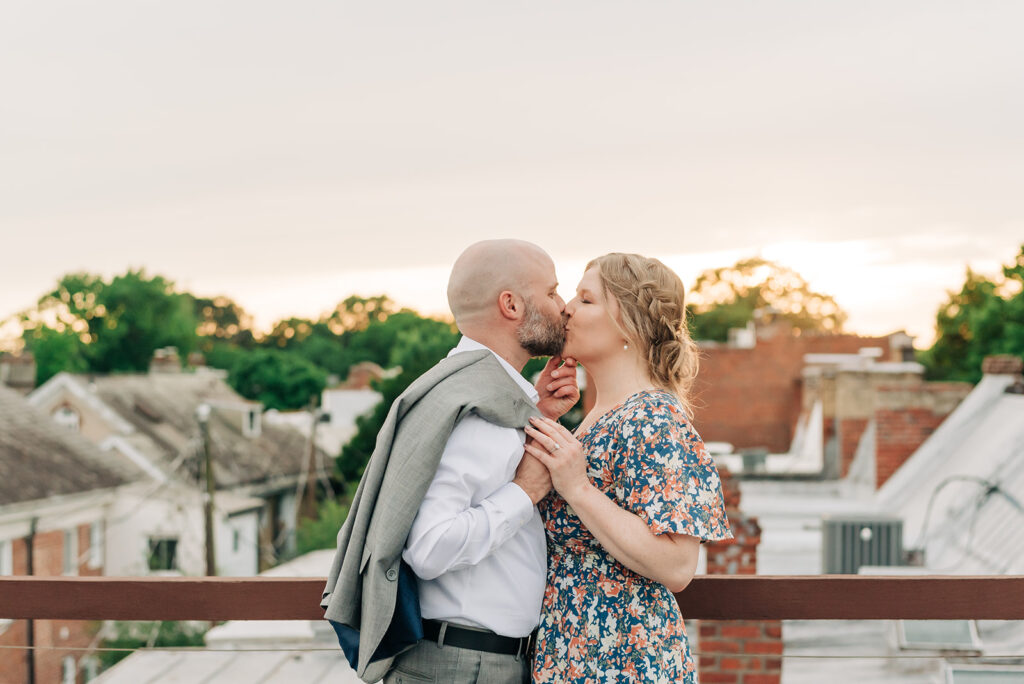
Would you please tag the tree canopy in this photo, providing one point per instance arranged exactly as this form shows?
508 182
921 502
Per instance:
87 323
91 324
418 343
985 317
724 298
277 379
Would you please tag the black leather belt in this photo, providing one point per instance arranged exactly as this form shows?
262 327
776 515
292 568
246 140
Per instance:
447 634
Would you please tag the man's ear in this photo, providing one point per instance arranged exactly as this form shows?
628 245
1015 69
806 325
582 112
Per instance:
509 305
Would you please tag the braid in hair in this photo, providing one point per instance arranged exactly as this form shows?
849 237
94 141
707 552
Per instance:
652 309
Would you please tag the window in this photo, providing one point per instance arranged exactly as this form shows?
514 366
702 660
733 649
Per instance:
252 422
71 552
91 667
235 540
6 568
983 674
67 417
6 558
163 554
939 635
96 545
67 670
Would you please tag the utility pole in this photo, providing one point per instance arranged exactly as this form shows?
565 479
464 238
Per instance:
305 507
203 416
30 627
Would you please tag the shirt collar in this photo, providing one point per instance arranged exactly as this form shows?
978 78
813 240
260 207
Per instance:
467 344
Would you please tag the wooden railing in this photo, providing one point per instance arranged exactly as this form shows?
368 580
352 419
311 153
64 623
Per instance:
816 597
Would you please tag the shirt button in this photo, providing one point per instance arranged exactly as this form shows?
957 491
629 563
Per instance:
391 574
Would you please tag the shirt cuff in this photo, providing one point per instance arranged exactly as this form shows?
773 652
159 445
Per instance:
514 504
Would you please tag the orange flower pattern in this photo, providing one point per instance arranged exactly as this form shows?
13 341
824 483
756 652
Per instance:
601 622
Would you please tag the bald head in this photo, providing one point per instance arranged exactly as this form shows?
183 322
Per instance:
490 267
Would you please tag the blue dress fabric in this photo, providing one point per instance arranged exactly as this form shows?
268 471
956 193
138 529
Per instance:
600 621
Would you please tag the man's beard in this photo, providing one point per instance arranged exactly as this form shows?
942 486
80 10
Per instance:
539 335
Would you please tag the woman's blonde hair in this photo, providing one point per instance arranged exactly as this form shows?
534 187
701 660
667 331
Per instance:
652 316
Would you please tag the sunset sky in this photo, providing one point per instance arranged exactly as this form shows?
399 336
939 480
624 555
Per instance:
288 155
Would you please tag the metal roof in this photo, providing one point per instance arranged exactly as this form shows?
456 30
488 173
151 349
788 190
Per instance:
234 649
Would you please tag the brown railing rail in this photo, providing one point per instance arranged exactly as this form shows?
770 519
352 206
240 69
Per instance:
828 597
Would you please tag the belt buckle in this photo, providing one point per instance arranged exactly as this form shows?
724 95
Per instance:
519 646
441 633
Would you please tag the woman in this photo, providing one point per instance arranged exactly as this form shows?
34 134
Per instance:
635 491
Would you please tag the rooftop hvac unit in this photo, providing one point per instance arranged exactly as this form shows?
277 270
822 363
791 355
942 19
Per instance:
848 542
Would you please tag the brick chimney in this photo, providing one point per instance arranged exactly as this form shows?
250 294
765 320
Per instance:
905 417
165 361
737 651
18 371
361 374
1003 364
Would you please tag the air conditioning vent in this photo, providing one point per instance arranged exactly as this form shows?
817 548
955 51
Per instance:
848 542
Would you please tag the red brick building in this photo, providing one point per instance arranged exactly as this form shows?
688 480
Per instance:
737 651
750 395
55 491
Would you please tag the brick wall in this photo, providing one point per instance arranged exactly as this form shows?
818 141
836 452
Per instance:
737 651
752 397
899 433
906 416
52 636
850 432
740 652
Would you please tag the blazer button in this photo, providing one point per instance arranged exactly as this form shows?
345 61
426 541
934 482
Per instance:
391 574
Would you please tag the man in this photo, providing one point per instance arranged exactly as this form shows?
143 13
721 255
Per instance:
449 492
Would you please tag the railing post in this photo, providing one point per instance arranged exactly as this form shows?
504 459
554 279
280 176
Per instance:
737 651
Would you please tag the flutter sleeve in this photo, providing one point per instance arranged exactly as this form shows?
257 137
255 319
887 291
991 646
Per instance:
668 479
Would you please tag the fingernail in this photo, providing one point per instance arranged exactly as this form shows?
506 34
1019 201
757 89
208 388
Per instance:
554 374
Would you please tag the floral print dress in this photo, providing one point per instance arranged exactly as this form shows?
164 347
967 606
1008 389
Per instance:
600 621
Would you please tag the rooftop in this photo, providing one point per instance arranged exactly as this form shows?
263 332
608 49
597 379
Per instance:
155 415
39 459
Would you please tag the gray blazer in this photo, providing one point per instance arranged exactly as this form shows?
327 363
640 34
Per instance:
362 584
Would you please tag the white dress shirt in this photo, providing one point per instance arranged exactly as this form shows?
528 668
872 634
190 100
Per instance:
477 543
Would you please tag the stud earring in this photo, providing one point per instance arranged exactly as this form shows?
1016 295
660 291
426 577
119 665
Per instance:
625 347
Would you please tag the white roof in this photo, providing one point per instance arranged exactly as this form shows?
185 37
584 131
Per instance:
263 651
970 528
219 667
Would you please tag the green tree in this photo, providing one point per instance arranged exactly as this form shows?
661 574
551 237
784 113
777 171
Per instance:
221 319
277 379
373 323
416 344
356 313
55 351
725 298
120 323
984 318
135 635
322 532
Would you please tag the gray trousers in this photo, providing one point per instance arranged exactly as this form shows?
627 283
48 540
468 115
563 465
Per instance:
428 662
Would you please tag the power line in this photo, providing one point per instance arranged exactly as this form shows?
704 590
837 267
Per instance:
313 649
